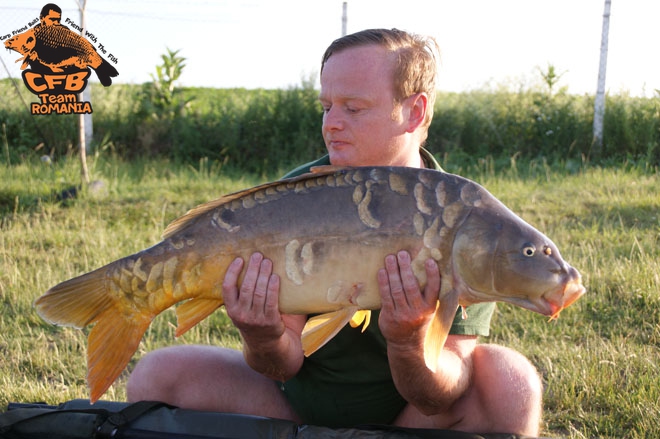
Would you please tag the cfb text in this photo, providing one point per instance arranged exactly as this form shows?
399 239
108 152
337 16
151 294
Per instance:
71 83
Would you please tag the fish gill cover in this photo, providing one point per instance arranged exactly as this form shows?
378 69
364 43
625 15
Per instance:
57 61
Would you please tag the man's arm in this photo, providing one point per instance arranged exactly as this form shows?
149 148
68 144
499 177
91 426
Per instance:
404 319
271 341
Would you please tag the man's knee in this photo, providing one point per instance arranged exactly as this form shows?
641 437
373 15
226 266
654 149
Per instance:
153 376
509 370
510 388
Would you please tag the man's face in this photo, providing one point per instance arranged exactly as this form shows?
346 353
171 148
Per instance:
362 126
52 18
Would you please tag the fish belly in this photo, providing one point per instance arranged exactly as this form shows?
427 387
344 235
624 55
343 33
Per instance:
320 275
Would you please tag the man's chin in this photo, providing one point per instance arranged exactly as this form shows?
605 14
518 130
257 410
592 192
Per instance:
338 159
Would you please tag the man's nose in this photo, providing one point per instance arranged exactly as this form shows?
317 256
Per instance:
332 119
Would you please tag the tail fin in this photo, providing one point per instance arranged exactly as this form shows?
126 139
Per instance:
105 72
118 330
76 302
110 346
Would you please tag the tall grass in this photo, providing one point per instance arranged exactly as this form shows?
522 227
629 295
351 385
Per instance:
599 361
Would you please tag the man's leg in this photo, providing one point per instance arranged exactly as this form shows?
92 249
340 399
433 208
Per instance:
505 396
206 378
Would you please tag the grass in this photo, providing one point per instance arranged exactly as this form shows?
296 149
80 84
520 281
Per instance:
599 361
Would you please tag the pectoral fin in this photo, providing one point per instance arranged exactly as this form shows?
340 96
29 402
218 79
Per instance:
320 329
190 313
360 317
436 336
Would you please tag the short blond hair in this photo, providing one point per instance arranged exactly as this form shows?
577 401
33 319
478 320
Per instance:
416 66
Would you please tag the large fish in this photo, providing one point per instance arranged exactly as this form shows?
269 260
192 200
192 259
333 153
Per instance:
328 234
59 48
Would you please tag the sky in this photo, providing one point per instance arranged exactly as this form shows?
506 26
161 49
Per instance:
279 44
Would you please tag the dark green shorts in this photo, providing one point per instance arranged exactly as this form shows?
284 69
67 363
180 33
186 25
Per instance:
348 381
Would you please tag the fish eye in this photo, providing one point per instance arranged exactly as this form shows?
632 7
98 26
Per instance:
529 250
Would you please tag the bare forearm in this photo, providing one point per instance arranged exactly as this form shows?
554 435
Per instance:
431 392
279 360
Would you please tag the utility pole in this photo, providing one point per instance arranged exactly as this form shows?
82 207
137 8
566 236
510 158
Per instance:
599 102
344 18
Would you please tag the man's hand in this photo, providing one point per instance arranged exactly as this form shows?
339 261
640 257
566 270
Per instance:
254 306
271 341
406 309
404 319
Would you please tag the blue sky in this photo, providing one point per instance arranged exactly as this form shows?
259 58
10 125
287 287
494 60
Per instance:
277 44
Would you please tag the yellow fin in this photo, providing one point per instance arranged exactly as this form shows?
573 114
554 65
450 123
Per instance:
363 315
320 329
436 336
114 338
110 345
76 302
190 313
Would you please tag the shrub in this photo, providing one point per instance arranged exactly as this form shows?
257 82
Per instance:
261 130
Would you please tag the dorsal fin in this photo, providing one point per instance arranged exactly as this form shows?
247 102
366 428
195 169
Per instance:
327 169
182 222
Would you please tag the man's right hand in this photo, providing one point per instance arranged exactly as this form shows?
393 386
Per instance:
271 341
253 308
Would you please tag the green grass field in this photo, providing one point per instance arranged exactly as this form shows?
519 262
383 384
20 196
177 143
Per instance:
600 360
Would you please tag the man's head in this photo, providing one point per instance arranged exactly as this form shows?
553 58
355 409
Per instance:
415 68
377 93
51 14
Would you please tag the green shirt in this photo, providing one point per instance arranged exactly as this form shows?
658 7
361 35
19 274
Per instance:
348 381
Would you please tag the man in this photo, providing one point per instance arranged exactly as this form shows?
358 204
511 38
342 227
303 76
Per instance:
51 15
377 93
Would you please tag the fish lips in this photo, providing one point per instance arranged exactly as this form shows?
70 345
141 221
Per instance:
553 301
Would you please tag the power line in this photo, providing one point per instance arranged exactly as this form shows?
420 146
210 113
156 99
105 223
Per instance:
157 17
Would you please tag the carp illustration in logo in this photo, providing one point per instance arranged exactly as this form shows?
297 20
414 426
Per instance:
52 46
57 48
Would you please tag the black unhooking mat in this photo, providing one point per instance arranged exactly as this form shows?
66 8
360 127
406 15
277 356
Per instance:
78 419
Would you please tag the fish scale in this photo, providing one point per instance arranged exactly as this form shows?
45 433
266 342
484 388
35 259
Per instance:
327 234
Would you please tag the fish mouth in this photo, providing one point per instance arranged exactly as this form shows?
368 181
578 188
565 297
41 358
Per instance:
572 292
553 302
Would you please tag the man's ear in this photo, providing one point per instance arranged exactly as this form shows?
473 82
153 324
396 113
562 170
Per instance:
416 111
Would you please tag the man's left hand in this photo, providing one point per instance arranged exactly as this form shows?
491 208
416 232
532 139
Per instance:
406 309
